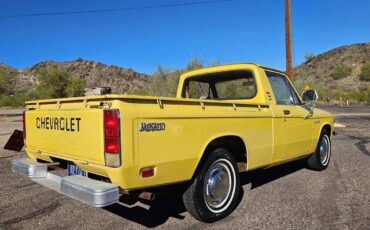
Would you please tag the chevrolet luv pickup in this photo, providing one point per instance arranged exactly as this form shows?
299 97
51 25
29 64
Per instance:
224 120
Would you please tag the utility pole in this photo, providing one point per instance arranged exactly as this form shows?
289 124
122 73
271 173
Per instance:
288 41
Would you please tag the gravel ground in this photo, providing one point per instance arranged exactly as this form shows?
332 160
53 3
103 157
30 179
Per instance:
283 197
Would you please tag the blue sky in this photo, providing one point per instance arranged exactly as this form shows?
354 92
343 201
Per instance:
224 32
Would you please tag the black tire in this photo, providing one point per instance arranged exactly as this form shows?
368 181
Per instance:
221 165
316 162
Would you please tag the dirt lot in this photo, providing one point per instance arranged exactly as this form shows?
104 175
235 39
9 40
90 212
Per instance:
288 196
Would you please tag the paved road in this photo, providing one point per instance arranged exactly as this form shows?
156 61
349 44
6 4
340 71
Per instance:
288 196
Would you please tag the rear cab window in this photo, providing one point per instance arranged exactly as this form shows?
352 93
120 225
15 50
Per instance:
228 85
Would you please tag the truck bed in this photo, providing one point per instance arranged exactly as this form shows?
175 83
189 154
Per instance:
173 148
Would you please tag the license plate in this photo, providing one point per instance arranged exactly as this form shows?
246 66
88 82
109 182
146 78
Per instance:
73 169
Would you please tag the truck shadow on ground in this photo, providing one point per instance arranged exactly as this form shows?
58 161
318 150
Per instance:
155 213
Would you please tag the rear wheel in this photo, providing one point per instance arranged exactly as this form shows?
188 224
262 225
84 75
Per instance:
214 191
320 159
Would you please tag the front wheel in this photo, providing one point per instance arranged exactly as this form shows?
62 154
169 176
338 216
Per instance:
320 159
215 189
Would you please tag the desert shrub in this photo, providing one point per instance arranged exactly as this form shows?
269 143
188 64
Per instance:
59 84
309 57
341 72
365 72
14 101
164 81
329 92
4 83
358 96
76 88
53 84
193 64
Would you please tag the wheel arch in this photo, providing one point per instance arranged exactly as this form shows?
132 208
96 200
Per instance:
233 143
327 127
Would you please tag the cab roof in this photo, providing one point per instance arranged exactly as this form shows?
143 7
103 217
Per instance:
225 67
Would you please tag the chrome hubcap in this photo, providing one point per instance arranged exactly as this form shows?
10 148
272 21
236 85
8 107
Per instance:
218 184
324 150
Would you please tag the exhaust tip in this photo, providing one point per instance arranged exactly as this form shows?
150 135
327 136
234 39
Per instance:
146 196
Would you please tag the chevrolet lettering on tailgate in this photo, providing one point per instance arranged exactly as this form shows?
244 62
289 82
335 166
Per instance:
59 123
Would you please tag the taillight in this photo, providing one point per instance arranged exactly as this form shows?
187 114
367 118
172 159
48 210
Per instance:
112 142
24 124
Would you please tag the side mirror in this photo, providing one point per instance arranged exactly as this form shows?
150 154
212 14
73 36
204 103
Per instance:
309 95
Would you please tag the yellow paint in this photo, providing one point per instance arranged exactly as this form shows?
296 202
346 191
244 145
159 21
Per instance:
191 124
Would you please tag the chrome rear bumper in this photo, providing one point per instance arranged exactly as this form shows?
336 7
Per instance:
92 192
29 168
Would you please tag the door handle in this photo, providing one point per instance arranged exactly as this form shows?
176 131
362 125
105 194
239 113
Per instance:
286 112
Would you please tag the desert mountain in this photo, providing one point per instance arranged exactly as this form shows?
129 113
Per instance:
95 74
321 68
317 71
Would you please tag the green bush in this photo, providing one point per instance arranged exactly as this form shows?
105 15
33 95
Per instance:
164 81
4 83
358 96
334 92
76 88
309 57
59 84
14 101
341 72
53 84
365 72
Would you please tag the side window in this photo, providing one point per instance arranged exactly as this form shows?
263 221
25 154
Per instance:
283 91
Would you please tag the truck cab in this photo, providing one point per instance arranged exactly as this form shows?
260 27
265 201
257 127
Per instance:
292 116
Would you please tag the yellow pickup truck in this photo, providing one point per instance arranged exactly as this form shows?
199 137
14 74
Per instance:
224 120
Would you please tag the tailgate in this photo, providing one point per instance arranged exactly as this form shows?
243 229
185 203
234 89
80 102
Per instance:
74 134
